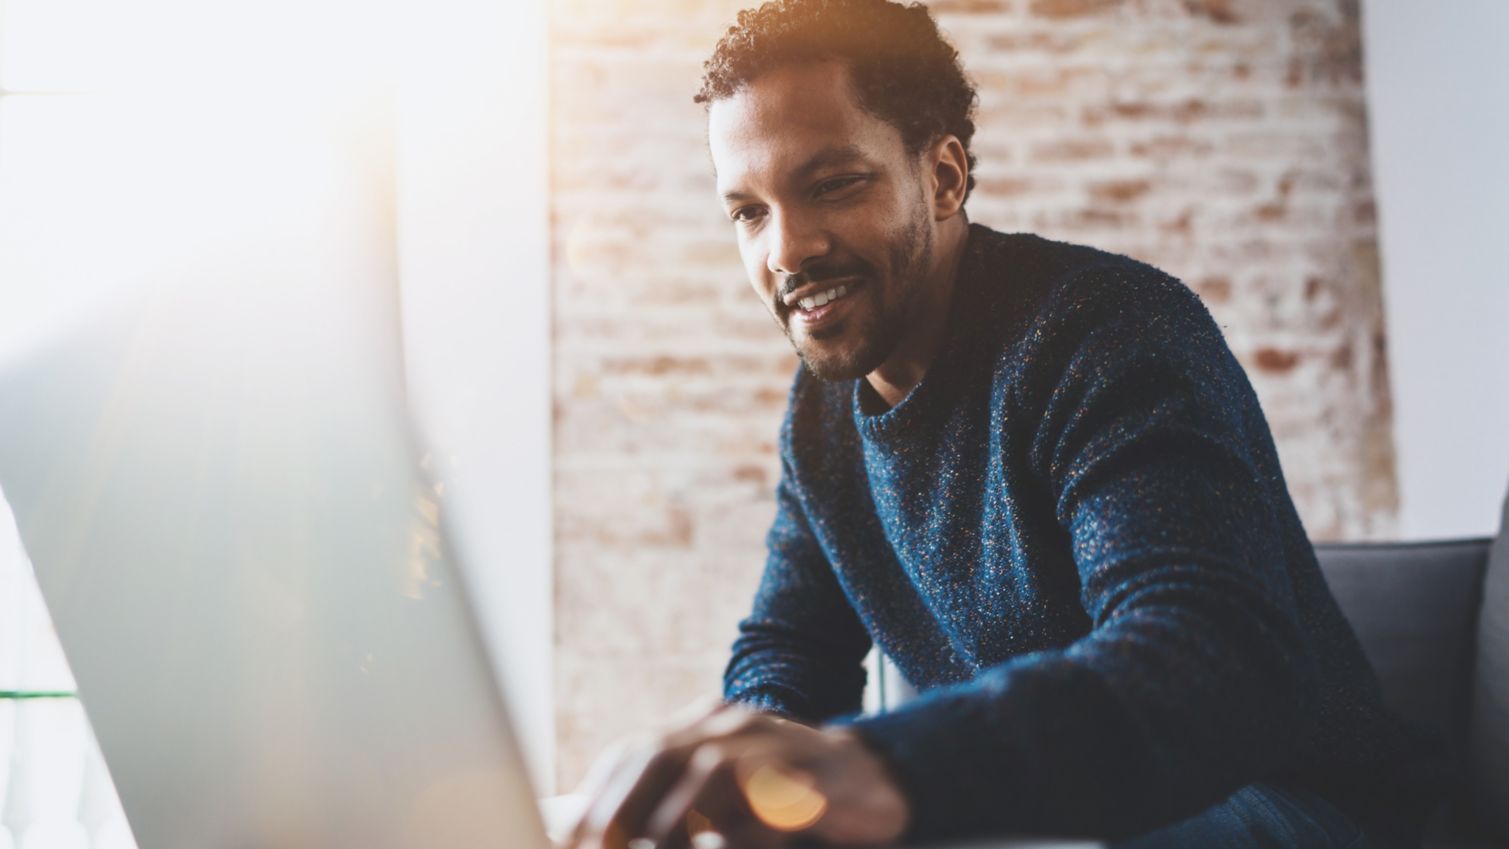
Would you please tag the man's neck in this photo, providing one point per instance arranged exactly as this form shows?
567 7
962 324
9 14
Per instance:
905 367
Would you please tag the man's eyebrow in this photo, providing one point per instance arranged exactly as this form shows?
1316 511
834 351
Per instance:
825 158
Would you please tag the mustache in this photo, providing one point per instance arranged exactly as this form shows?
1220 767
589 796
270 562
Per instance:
820 273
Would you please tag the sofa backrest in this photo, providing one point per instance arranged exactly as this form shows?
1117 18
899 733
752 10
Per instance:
1414 607
1488 730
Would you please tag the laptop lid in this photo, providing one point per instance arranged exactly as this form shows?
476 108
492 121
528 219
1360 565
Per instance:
243 559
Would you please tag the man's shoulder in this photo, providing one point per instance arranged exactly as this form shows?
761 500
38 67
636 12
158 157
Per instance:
1060 288
1051 302
1054 275
1034 256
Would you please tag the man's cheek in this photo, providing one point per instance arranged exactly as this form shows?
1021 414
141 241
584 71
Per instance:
766 290
755 273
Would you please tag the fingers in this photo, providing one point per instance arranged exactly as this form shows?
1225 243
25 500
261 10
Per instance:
782 797
608 764
752 835
648 788
742 789
722 723
619 811
602 769
611 758
703 799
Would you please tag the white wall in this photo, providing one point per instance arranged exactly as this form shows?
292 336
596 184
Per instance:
1438 100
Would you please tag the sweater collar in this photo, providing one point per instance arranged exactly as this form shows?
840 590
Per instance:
963 319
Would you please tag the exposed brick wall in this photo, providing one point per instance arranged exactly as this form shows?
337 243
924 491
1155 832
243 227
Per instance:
1222 140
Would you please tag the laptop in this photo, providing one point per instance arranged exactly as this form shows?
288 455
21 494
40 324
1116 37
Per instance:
236 535
241 551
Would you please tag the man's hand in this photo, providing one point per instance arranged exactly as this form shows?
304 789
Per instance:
738 778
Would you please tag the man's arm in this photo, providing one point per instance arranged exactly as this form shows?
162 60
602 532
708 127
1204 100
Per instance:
797 661
800 652
1194 679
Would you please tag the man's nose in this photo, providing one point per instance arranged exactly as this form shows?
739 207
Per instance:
794 241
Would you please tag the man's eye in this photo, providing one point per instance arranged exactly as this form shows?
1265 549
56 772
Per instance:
745 214
837 184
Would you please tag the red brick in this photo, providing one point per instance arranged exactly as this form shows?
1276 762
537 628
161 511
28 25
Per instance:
1269 211
1073 8
1120 191
1071 149
1008 186
1051 41
655 366
1186 111
1170 147
1214 288
1220 11
1341 358
1274 360
969 7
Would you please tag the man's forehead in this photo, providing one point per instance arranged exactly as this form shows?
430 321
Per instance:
794 91
791 120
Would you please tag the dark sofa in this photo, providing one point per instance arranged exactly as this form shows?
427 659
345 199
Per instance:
1433 618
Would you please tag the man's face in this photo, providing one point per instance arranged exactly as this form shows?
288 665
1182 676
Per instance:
828 206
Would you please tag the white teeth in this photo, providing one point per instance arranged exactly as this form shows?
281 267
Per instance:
823 298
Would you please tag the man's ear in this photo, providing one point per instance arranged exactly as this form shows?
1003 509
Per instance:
950 172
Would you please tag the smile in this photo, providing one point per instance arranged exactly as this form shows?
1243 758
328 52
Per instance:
823 298
823 310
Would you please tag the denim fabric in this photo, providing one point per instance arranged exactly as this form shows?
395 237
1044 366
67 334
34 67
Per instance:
1259 816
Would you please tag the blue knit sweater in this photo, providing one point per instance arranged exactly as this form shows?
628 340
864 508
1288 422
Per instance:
1075 538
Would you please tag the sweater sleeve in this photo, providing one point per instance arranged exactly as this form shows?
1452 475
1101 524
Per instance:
800 653
1193 679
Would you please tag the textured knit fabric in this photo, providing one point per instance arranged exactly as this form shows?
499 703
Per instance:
1074 537
1258 816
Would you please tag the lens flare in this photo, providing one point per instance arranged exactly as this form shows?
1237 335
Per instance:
784 800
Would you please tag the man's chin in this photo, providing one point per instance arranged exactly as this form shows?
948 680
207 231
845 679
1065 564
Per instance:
835 365
830 372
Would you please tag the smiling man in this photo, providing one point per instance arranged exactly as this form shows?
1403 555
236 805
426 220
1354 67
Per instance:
1035 476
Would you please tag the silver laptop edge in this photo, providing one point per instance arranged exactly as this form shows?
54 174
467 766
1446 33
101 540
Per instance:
225 510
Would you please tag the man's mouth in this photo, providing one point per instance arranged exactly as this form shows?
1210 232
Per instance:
817 295
823 298
820 305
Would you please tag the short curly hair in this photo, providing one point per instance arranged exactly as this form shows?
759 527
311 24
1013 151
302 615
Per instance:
904 70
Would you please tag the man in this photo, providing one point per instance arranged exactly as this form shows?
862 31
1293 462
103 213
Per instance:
1035 476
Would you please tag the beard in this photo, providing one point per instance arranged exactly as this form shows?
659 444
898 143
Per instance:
877 327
